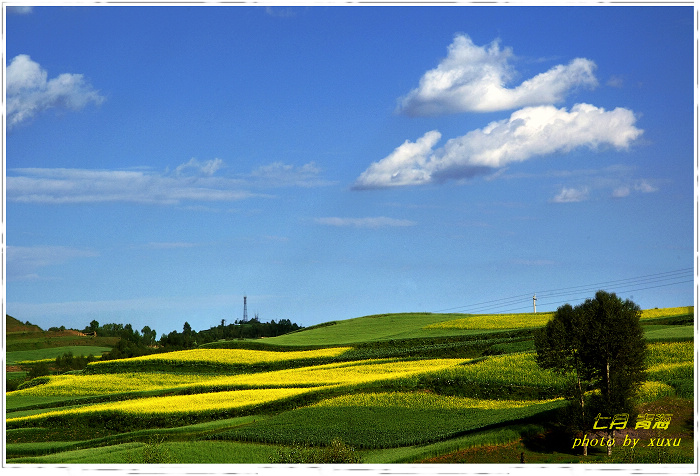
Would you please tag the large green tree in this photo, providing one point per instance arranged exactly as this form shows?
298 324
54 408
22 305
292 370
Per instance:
601 343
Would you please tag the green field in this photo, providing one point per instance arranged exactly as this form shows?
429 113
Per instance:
25 356
397 388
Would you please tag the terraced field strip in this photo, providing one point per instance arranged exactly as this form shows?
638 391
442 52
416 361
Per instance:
495 321
386 420
176 405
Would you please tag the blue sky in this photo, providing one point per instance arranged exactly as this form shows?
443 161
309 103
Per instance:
331 162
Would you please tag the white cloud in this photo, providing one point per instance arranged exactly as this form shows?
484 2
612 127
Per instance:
625 190
57 186
193 181
167 245
194 167
367 222
407 165
279 174
529 132
20 9
29 92
571 195
23 262
473 78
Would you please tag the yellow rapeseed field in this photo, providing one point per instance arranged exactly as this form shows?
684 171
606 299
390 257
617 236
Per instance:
652 390
670 352
177 404
524 320
340 373
107 384
331 374
232 356
667 312
495 321
422 401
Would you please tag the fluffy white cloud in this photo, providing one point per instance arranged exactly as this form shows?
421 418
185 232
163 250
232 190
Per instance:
29 92
529 132
367 222
474 78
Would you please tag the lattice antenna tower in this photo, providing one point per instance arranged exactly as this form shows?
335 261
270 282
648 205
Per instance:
245 309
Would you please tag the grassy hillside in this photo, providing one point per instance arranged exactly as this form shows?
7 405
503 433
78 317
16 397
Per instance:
385 327
351 388
13 325
381 327
28 337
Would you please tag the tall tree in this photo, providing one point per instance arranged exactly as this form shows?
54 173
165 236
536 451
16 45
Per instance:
601 342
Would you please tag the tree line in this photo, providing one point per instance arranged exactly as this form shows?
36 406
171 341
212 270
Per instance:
133 344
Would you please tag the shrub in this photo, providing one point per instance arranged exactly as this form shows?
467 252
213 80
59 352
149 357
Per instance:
336 453
152 452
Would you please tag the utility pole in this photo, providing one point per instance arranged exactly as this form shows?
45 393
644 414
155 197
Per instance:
534 303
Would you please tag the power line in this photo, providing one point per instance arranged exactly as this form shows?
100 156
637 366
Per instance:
581 298
679 276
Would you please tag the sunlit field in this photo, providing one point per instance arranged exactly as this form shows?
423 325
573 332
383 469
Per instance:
245 405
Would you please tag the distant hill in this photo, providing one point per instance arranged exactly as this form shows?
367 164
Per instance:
385 327
14 325
24 336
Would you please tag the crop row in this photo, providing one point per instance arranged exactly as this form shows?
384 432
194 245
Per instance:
177 406
666 361
421 401
380 425
667 312
78 385
495 321
503 376
198 360
353 373
670 352
528 320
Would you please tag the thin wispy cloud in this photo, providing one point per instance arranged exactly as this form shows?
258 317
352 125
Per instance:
643 186
473 79
528 133
366 222
167 245
279 174
60 186
571 195
20 9
24 262
30 92
194 167
193 181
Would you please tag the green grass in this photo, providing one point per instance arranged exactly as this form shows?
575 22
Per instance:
670 333
53 352
373 328
411 454
366 427
22 342
381 435
117 454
